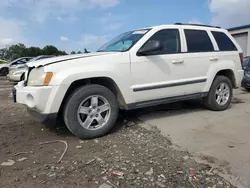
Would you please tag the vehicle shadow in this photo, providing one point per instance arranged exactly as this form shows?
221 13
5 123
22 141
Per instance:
130 118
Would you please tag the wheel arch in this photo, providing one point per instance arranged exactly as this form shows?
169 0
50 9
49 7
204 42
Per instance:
104 81
229 74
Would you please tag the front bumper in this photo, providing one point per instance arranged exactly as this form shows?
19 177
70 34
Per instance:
35 99
44 118
14 78
245 82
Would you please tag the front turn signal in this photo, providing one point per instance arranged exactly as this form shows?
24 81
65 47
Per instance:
47 78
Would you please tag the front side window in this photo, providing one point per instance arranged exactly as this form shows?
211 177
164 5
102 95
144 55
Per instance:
198 41
169 40
124 41
223 41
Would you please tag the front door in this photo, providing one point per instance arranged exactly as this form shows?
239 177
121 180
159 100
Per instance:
160 74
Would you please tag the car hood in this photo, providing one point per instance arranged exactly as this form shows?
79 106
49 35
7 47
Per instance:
48 61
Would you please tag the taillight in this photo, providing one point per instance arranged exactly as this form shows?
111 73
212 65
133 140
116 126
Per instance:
241 59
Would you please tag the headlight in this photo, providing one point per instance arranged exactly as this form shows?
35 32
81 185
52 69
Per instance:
18 72
38 77
21 66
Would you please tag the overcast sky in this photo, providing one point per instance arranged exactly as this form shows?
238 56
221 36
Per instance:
77 24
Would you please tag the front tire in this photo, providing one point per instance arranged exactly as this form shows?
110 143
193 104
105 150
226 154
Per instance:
91 111
220 94
4 71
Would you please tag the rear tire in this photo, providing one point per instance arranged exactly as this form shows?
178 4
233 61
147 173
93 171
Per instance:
91 111
220 94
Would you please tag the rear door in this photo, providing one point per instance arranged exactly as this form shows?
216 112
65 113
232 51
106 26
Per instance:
199 55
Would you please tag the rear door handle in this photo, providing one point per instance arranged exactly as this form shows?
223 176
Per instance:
213 58
178 61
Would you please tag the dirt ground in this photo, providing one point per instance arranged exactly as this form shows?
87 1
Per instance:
130 156
221 136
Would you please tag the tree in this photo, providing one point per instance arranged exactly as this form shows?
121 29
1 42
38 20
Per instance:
79 52
73 52
61 52
86 51
20 50
3 54
16 51
34 51
49 50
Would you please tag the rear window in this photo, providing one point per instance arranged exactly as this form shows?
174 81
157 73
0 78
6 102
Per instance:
224 42
198 41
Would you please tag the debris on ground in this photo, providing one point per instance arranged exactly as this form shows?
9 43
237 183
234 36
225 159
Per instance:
22 159
8 163
91 161
20 153
104 185
150 172
54 141
117 173
160 184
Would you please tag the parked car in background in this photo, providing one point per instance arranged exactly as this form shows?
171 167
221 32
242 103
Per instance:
17 74
18 63
246 79
41 57
4 67
140 68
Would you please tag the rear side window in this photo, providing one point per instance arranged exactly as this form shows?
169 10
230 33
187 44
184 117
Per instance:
224 42
198 41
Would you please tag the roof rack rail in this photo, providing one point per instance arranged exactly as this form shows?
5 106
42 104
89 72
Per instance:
197 25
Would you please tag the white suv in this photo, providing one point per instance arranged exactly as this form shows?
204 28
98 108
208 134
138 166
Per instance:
137 69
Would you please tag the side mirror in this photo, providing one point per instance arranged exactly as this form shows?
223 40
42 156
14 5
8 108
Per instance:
149 47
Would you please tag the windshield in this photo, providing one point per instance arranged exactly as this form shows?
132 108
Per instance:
124 41
246 62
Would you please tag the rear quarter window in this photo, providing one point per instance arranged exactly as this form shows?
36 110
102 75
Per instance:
198 41
224 42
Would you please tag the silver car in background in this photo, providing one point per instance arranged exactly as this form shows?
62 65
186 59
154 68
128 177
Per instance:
16 72
19 63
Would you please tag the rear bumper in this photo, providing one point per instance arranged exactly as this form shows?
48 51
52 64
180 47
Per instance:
239 76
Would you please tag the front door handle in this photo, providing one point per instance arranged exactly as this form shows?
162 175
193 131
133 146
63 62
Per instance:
178 61
213 58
